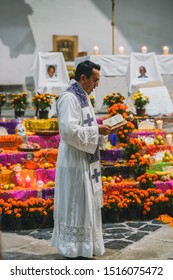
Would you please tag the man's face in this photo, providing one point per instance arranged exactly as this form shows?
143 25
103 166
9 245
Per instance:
142 71
89 84
51 71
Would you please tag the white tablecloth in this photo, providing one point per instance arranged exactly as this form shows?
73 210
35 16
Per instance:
160 101
50 85
116 65
114 70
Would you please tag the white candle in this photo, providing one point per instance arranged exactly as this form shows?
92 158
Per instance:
165 49
169 139
3 119
144 49
159 124
96 50
121 50
28 181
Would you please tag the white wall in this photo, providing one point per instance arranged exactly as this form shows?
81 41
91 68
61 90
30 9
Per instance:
27 26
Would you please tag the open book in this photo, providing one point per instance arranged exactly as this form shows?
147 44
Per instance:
115 121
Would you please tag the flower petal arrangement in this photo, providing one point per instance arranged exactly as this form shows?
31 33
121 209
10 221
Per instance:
140 100
115 201
147 180
92 99
34 209
118 108
139 164
125 130
2 99
71 72
135 145
19 101
113 98
43 101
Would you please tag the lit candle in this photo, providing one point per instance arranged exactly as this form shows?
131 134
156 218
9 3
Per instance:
144 49
3 119
165 49
35 117
28 182
121 50
159 124
96 50
169 139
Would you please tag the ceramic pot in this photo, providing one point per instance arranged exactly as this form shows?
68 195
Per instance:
112 216
19 114
43 114
140 112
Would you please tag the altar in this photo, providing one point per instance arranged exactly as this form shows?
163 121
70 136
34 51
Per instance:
50 75
113 74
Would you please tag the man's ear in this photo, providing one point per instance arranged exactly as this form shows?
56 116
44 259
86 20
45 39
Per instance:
82 78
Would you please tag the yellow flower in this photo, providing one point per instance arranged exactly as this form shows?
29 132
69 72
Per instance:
43 101
19 101
140 100
2 99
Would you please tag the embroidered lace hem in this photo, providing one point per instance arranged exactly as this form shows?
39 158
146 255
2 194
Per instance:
67 234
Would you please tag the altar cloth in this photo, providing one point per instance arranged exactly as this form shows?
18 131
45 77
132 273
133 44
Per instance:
10 125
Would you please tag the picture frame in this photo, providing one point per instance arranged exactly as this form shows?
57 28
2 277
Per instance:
68 45
51 72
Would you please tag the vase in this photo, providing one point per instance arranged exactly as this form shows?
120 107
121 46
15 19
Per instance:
132 213
140 112
113 216
43 114
170 211
47 221
15 224
154 213
31 222
135 174
11 223
19 114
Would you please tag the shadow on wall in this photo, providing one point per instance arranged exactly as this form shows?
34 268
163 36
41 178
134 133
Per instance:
15 31
130 19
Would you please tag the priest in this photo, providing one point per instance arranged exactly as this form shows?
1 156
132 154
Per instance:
78 188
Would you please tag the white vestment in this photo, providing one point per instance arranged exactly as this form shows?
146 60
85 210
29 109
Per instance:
77 217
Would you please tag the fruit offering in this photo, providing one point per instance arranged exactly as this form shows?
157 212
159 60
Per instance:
159 140
167 157
29 147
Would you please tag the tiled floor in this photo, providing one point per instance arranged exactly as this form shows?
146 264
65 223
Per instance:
117 236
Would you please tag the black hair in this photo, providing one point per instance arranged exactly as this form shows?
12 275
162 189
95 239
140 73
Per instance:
51 66
143 68
85 68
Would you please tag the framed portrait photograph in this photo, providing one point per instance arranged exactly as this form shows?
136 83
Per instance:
68 45
51 72
142 72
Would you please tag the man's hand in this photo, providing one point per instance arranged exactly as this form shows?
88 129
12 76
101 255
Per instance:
104 129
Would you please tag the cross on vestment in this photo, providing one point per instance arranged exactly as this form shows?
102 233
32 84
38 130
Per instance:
96 175
89 120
